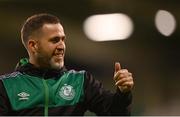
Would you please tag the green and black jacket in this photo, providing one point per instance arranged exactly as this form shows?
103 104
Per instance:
33 91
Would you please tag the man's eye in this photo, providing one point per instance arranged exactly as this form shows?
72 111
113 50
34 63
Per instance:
55 40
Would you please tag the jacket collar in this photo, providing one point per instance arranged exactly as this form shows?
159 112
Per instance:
25 67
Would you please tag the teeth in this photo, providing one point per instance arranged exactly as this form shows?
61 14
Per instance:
59 53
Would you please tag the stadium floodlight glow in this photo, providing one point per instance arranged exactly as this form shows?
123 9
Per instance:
165 22
108 27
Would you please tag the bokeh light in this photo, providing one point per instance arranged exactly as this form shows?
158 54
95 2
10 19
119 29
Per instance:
165 22
108 27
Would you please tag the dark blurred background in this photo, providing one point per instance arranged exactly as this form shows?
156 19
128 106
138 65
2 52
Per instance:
152 57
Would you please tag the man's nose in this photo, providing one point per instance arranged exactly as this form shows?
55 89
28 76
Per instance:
60 44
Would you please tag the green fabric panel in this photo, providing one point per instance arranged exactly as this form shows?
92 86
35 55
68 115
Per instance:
26 91
73 80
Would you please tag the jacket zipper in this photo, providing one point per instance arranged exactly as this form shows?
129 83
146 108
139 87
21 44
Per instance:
46 90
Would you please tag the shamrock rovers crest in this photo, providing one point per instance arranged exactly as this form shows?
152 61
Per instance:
67 92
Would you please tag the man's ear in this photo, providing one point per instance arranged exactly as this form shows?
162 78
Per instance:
32 45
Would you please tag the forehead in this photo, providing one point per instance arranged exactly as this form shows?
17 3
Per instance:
53 30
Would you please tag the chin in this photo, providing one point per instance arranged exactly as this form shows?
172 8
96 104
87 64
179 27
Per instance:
57 65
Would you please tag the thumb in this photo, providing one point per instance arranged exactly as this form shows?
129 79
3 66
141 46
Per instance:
117 67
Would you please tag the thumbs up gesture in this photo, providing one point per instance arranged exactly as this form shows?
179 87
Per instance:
123 78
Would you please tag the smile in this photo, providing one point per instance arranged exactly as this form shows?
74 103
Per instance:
59 54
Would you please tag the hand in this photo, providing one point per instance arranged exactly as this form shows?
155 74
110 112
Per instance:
123 79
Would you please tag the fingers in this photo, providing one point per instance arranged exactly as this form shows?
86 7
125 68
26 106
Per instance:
124 80
117 67
121 73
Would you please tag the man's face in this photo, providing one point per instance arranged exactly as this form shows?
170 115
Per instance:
50 46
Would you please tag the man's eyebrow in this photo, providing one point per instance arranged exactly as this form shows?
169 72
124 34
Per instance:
58 38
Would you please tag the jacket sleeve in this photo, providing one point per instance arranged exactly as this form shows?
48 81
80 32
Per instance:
105 102
4 101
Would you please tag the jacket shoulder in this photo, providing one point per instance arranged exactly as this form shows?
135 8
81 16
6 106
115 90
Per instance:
10 75
76 72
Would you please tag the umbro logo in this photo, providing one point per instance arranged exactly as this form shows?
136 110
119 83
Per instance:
23 96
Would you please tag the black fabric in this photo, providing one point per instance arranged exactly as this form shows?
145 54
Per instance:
40 72
4 102
105 102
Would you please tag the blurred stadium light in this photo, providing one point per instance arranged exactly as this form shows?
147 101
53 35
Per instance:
107 27
165 22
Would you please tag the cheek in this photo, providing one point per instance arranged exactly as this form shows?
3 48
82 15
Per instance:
49 51
46 50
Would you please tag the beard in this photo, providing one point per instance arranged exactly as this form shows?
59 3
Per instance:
49 61
56 64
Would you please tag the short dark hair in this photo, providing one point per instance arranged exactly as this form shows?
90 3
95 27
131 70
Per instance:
34 23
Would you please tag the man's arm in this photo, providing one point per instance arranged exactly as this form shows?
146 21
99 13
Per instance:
104 102
121 103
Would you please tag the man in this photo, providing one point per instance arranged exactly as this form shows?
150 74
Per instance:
41 85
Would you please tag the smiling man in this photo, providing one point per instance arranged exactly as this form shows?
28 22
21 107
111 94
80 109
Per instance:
41 85
45 43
